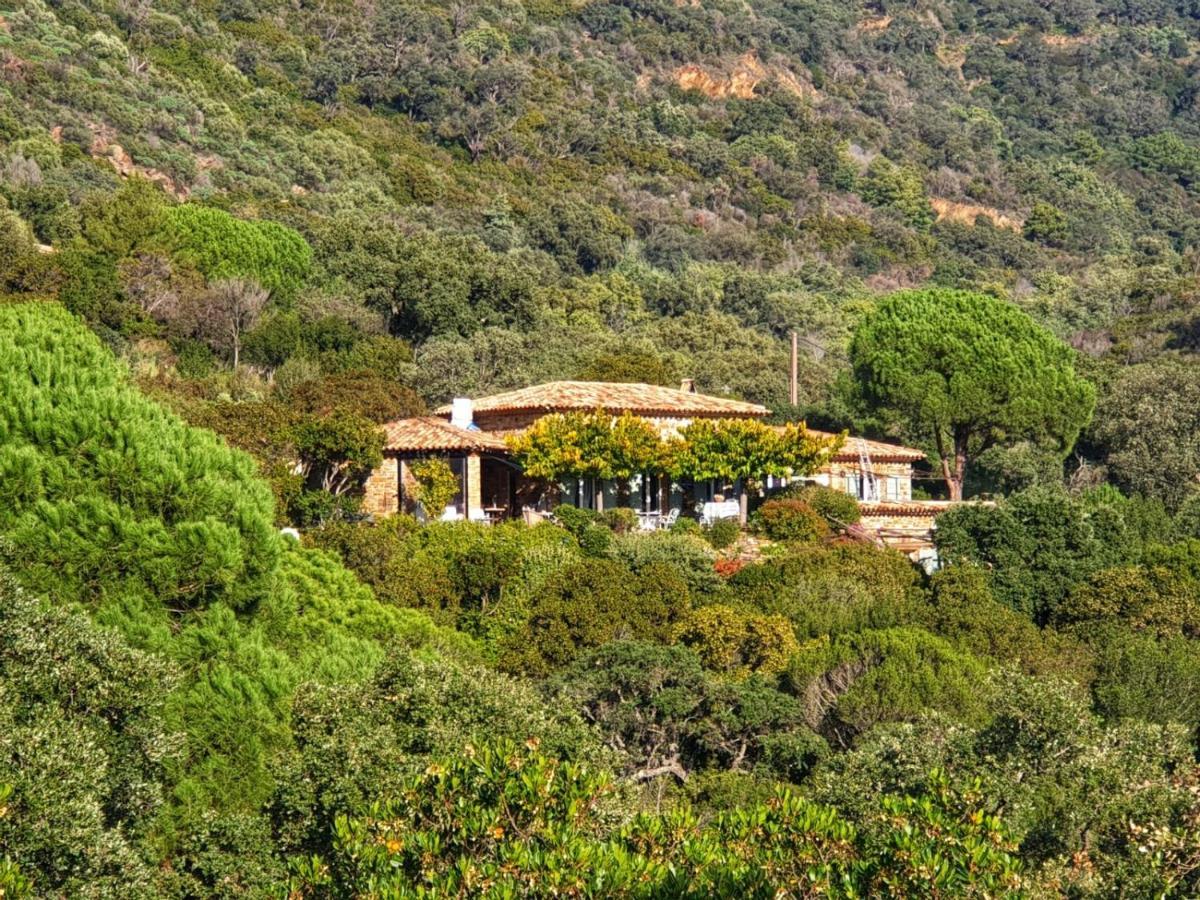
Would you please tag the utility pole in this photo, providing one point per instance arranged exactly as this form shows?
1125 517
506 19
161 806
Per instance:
795 374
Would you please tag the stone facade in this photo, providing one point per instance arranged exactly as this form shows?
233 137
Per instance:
381 493
894 478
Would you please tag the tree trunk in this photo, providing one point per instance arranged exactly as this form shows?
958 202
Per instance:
958 474
953 474
598 493
743 505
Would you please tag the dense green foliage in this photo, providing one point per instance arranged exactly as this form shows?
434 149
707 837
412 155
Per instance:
289 223
966 372
594 706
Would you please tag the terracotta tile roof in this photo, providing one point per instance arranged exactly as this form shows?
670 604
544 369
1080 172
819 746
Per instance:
877 450
431 433
557 396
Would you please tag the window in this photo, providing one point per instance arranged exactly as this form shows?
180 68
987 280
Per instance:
854 485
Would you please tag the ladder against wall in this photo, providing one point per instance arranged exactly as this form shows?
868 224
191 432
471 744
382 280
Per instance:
870 484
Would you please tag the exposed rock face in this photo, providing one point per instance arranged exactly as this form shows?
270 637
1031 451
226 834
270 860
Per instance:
876 24
746 75
740 83
103 147
967 213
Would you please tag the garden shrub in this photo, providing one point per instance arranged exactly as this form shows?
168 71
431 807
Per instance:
509 816
962 609
667 715
688 556
722 533
789 521
575 519
685 525
621 520
837 508
830 588
356 741
852 682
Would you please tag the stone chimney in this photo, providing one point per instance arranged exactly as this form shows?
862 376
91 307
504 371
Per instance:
688 385
462 412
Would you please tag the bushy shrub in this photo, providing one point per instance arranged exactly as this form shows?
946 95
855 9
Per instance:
737 643
855 681
1038 545
831 588
621 520
510 816
83 748
790 521
722 533
837 508
574 518
689 557
590 603
963 610
685 525
356 741
669 717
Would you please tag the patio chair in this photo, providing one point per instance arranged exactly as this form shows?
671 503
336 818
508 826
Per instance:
669 519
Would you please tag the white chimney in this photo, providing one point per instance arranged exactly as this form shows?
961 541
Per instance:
462 412
688 385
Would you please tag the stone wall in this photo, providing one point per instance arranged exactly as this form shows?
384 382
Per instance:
837 472
381 493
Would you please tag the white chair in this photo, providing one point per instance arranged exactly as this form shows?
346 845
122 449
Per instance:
669 519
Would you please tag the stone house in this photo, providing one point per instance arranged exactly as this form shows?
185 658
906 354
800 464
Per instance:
471 435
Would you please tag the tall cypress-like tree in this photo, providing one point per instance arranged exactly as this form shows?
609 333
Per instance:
968 372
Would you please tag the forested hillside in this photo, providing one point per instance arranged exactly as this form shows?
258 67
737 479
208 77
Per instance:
236 236
632 190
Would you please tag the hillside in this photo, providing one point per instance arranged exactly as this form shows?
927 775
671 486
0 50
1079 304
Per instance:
544 190
238 236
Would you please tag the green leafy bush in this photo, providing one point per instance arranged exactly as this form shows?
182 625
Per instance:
837 508
587 604
790 521
722 533
508 817
832 588
621 520
856 681
736 643
688 557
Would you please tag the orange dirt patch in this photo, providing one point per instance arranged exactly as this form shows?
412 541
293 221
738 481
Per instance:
746 75
1068 40
967 213
873 25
